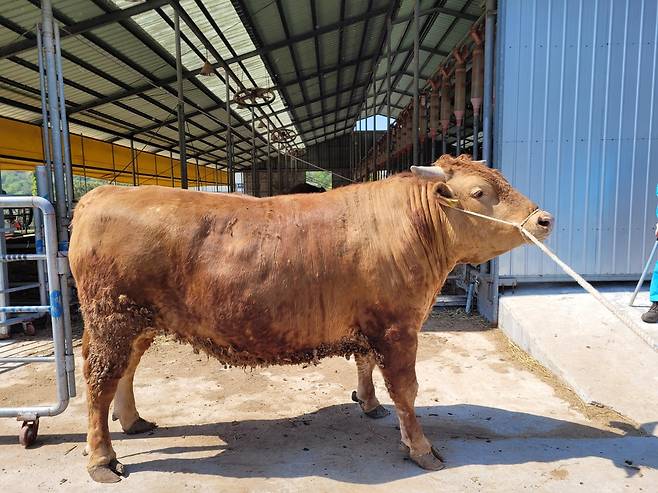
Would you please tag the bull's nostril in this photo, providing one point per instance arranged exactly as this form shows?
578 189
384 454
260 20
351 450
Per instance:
545 221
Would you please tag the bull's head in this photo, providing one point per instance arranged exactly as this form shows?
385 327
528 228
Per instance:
471 185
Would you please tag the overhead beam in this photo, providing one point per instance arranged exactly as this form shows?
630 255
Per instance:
369 14
437 10
83 26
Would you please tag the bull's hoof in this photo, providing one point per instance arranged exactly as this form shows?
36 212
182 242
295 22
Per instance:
431 461
376 413
107 473
140 426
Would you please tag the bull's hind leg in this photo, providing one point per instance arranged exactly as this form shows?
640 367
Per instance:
124 400
103 368
398 365
111 328
364 395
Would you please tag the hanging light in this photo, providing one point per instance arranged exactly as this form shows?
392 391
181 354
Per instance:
207 69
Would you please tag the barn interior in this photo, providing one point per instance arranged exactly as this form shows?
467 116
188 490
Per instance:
269 97
248 97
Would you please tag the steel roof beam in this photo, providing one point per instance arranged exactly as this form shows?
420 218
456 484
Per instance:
393 7
249 25
437 10
425 29
157 49
340 49
92 38
314 20
210 47
83 26
368 14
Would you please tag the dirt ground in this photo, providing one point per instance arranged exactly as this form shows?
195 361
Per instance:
501 421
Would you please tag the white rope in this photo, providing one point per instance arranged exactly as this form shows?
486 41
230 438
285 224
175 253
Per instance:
625 319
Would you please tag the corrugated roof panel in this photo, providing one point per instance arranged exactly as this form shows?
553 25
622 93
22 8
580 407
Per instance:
305 53
267 12
328 12
18 114
456 35
355 7
298 16
329 44
77 11
19 12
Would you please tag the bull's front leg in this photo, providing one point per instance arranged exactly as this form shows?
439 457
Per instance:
398 365
365 393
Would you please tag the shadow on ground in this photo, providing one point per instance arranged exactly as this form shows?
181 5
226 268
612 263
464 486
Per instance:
338 442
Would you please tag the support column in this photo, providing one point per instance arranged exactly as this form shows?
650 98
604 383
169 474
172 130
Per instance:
253 154
229 136
181 103
55 125
269 162
414 123
68 170
132 162
388 95
44 118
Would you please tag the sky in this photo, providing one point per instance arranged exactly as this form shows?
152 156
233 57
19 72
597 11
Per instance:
366 123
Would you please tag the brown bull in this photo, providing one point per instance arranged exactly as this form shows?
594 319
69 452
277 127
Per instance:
280 280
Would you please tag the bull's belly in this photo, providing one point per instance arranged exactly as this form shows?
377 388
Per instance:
250 352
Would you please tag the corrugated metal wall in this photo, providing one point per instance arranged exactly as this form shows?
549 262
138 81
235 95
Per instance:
576 128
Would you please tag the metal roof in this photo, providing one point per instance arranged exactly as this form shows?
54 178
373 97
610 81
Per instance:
324 60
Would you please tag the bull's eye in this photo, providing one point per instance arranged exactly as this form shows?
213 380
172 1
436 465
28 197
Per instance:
477 193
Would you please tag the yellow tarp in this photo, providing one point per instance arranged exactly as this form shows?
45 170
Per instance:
21 149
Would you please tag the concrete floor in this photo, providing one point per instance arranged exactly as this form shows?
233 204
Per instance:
501 422
599 357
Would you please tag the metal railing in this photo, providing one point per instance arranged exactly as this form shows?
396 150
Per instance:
56 275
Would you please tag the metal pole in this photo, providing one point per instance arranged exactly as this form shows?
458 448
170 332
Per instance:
253 154
5 330
487 152
278 170
374 128
41 174
269 162
181 104
132 158
65 126
58 164
414 123
459 144
171 168
44 119
388 94
198 174
490 22
229 146
476 130
644 273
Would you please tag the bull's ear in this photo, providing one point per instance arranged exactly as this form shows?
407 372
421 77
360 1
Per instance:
443 190
434 173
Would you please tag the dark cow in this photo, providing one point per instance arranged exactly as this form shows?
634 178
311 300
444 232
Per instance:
282 280
305 188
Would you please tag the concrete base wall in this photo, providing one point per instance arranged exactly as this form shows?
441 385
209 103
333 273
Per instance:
587 347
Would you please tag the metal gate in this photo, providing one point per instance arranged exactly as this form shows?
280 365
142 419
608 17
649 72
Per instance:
56 270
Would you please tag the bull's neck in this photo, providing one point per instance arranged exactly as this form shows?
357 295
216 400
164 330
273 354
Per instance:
436 238
421 239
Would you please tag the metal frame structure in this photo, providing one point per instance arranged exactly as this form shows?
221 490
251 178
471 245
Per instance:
165 106
56 270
